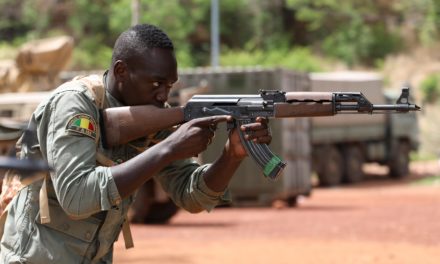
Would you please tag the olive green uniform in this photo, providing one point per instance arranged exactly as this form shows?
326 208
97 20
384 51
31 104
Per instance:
86 210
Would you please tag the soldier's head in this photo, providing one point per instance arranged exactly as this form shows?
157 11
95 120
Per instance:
144 66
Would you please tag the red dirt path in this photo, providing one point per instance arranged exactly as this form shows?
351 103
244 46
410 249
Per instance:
379 221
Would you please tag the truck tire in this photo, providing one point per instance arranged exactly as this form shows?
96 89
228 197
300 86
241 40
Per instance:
353 161
147 210
399 162
331 169
161 212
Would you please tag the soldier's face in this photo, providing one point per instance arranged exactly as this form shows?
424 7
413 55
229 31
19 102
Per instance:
150 78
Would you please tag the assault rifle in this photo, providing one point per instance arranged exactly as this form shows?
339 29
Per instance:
123 124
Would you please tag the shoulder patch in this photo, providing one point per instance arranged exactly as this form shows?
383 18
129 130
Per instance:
82 124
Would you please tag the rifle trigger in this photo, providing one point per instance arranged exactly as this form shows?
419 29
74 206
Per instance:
230 125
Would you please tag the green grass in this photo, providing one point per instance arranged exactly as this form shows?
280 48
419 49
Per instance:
422 156
429 181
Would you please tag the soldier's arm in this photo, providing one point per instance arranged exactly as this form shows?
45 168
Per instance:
196 188
188 141
67 139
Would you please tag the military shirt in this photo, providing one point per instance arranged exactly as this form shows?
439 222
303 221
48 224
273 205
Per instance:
86 209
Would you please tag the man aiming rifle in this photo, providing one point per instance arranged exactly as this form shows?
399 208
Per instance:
75 214
91 122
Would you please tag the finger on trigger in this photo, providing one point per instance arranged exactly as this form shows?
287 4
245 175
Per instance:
263 120
206 121
222 118
245 128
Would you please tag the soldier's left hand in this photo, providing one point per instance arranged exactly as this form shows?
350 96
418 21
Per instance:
258 132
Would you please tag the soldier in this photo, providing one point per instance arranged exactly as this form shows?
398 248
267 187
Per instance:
86 204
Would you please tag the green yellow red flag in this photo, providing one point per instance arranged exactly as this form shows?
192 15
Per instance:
82 124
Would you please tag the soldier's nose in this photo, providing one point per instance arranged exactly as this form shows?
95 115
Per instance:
162 98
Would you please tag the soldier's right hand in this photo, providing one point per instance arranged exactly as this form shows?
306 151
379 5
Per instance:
194 136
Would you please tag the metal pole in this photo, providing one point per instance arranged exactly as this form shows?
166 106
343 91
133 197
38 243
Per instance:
215 40
135 12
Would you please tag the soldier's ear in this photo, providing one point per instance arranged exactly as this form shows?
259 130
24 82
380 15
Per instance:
120 71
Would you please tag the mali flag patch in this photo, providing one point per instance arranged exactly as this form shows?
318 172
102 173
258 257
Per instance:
82 124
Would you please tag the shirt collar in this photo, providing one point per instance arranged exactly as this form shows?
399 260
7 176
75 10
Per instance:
112 101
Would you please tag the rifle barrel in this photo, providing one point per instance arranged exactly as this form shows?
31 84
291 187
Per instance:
396 107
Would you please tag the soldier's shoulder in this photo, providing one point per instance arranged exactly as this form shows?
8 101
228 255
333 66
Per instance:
75 90
68 94
73 86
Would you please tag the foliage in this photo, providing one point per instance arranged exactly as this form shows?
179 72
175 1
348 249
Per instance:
348 29
300 59
11 26
7 51
430 88
179 23
83 59
423 16
357 32
422 156
429 181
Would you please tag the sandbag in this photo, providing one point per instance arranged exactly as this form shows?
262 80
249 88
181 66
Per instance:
45 56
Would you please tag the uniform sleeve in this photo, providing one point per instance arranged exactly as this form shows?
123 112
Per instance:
81 187
184 182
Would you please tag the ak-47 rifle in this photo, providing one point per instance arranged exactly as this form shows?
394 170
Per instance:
122 124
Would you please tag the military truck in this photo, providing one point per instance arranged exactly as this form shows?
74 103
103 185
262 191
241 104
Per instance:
341 145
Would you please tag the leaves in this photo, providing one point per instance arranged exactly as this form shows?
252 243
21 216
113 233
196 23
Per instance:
355 31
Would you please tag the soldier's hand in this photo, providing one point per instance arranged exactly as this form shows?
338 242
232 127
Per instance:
194 136
258 132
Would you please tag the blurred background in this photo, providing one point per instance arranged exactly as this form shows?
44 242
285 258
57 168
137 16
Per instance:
399 39
240 46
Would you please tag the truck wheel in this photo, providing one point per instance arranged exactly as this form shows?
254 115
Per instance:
161 212
146 210
353 162
399 162
330 174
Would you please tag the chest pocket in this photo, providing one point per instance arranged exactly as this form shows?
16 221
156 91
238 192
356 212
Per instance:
84 230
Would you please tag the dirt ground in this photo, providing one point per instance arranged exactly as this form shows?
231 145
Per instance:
379 221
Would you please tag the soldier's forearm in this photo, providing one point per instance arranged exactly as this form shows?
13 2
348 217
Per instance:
124 124
219 174
133 173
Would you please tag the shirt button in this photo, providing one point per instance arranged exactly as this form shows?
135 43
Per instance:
88 235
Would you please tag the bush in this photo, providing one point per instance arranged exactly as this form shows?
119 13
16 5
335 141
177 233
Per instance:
361 44
430 88
90 54
7 51
300 59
